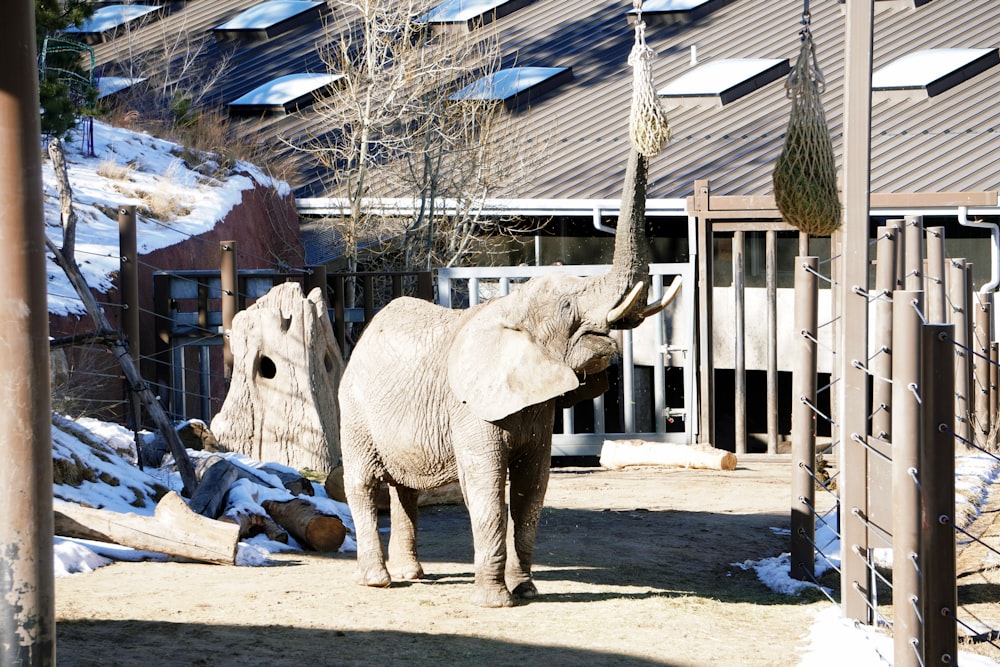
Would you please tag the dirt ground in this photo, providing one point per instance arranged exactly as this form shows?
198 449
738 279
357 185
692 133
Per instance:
634 567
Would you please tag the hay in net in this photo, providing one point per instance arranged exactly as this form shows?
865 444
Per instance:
805 174
647 124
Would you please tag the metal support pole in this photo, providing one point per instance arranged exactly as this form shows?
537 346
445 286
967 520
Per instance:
27 598
229 285
957 293
982 308
880 474
937 465
739 365
934 276
771 279
906 479
803 521
914 259
853 309
316 277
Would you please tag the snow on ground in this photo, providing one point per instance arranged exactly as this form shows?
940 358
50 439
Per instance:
177 193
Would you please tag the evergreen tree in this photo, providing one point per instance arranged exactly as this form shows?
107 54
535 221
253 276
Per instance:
64 87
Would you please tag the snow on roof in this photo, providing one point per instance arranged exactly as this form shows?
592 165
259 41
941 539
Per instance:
506 83
719 76
461 10
285 89
110 17
922 68
109 85
671 5
266 14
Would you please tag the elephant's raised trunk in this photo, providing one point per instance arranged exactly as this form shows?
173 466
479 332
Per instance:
627 284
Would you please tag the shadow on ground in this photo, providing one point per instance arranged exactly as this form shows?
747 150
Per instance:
278 646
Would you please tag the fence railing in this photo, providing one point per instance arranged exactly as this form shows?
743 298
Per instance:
921 371
639 404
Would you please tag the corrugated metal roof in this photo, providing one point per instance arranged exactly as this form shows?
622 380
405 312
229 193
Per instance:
949 142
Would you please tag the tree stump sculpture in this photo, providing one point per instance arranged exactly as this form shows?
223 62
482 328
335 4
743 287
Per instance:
282 400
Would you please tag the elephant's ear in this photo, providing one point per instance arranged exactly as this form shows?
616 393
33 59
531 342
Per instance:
497 371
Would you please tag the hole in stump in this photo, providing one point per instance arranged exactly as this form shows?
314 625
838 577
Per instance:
267 368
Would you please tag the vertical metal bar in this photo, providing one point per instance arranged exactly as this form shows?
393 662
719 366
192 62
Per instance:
706 364
204 384
473 291
27 598
906 520
230 301
959 317
994 362
880 470
771 280
659 393
853 310
937 479
914 258
803 522
163 324
628 381
368 297
900 263
739 366
339 322
316 278
980 362
934 277
803 244
128 278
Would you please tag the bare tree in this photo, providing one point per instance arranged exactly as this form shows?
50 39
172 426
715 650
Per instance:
399 133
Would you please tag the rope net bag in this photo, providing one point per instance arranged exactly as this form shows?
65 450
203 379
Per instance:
647 124
805 174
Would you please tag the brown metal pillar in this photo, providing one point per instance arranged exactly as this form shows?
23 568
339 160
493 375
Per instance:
27 599
982 306
880 477
739 357
771 279
853 310
906 520
803 521
957 294
229 285
934 276
914 259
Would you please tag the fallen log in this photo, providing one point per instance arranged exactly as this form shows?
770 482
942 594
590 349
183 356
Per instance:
173 529
307 524
617 454
252 524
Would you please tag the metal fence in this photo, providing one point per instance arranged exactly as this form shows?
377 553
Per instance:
932 400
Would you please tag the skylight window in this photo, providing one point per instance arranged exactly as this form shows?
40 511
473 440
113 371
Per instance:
283 94
720 82
513 84
270 18
676 11
932 71
109 85
472 12
109 17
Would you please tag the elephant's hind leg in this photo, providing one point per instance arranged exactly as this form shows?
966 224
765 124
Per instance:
360 485
403 536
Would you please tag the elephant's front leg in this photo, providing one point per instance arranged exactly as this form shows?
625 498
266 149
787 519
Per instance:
484 496
529 478
403 534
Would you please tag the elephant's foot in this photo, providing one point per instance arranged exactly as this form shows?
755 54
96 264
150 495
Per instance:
525 590
377 577
493 596
408 571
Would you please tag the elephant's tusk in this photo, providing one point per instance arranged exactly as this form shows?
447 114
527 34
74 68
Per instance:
626 304
671 294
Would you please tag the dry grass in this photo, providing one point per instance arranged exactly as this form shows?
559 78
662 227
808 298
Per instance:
114 171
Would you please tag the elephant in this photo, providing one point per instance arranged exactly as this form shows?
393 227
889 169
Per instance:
430 395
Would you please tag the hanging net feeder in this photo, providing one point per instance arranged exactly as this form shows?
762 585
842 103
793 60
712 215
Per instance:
647 123
805 174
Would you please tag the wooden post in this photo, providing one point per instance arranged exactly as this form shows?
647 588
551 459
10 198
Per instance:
771 280
230 301
937 479
803 521
853 309
739 365
906 520
27 598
